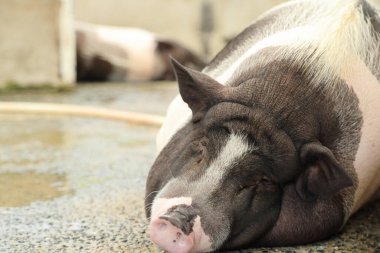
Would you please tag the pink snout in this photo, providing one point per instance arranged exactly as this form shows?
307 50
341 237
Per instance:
175 227
169 237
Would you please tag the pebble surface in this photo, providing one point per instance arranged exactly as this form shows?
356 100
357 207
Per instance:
105 164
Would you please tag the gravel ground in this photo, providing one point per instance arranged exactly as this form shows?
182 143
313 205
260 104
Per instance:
94 203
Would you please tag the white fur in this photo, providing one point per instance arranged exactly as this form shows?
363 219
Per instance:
162 205
338 31
289 37
235 149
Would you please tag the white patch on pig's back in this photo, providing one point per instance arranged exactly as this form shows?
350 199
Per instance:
367 161
288 37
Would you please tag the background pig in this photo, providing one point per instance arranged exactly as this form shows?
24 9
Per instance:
275 142
107 53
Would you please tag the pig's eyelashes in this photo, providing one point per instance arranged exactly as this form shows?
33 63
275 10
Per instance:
248 187
265 180
227 130
247 191
255 183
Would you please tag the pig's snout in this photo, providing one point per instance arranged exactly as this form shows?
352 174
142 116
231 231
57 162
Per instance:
173 231
170 238
176 227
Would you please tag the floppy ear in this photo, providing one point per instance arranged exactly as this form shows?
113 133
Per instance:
323 176
197 89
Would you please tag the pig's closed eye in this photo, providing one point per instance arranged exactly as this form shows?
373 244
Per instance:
255 182
265 180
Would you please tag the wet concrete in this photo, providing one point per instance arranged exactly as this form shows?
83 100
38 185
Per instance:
21 189
102 166
70 184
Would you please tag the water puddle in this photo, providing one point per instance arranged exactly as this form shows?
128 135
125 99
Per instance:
21 189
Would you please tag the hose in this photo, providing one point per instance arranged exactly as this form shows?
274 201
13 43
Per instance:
81 110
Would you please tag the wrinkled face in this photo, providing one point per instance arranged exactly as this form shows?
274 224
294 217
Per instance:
223 169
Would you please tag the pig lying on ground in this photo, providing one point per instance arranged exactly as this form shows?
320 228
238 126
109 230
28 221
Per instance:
276 141
107 53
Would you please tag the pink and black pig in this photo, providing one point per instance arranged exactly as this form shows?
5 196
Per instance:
276 141
109 53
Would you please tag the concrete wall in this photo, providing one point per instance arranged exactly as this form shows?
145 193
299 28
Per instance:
178 19
37 42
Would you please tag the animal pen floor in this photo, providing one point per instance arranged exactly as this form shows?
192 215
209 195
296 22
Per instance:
71 184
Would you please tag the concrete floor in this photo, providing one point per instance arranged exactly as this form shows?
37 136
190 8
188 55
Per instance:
74 184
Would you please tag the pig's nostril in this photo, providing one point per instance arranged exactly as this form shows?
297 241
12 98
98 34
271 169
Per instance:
179 235
180 220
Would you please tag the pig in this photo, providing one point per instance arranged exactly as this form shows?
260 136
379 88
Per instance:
276 141
109 53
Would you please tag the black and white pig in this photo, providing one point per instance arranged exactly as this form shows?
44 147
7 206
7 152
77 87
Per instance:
109 53
276 141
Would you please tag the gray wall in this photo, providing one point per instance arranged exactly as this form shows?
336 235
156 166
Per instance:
37 42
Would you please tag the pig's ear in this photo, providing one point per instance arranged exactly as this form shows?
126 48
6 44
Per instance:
323 176
197 89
